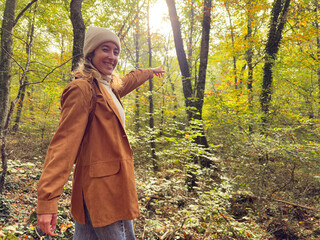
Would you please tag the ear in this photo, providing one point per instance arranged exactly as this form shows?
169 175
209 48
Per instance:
90 56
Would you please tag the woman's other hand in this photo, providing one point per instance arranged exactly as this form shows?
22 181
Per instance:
47 223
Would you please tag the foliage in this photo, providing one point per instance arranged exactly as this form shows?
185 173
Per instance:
237 198
168 207
164 199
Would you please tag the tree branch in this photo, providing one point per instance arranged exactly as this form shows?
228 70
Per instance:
23 11
52 70
285 202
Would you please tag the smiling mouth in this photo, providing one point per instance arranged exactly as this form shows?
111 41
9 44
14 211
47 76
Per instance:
110 65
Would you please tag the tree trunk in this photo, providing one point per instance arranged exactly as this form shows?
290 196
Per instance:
137 102
17 119
249 59
278 20
5 58
194 104
234 57
190 43
316 9
171 81
78 32
151 111
204 51
8 23
182 59
24 82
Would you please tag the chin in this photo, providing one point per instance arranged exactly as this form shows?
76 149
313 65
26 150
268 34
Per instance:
107 72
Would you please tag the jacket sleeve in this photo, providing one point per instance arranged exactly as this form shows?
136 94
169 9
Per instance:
134 79
64 146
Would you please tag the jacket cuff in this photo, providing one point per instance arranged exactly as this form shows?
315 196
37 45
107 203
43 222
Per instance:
46 207
150 72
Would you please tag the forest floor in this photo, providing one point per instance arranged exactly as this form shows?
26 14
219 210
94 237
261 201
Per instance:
168 209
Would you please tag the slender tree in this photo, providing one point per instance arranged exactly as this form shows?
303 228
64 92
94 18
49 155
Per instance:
277 22
316 23
191 30
8 23
204 52
249 57
24 81
151 107
234 57
78 31
137 102
181 55
171 81
200 87
194 103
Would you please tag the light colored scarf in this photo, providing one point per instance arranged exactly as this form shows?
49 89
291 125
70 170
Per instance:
105 81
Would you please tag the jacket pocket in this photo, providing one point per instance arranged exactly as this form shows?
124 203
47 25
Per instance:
104 169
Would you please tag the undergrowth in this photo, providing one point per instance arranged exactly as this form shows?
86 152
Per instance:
258 188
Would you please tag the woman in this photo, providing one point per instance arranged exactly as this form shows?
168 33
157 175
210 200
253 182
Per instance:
92 135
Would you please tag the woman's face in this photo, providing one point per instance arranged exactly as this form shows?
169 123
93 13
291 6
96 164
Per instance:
105 57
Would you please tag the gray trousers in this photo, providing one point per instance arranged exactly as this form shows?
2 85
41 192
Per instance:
121 230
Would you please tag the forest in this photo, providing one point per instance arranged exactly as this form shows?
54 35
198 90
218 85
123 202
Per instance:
226 144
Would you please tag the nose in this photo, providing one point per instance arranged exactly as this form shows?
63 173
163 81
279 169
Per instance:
111 55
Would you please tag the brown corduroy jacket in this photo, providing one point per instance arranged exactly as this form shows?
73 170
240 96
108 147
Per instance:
104 172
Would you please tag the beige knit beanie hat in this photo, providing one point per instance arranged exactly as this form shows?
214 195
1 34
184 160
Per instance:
97 35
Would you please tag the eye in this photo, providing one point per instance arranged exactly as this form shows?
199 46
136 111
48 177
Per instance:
105 49
116 52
